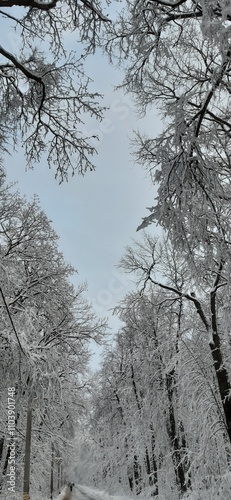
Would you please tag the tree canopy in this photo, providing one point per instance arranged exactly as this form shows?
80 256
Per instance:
44 91
177 57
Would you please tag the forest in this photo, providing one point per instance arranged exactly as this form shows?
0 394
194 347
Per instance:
154 420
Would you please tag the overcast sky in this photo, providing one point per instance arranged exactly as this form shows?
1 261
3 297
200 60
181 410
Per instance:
96 216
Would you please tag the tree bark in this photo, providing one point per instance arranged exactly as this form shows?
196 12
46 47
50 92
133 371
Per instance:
173 433
26 481
1 448
52 471
5 467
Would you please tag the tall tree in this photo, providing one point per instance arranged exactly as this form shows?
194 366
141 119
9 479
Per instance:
178 59
148 261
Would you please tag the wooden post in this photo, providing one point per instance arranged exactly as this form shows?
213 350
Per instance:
26 481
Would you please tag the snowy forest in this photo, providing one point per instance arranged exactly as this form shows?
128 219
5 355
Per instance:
154 420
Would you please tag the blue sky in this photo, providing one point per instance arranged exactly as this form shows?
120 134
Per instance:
96 216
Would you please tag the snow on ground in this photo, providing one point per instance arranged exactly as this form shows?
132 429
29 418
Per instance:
61 496
93 494
81 492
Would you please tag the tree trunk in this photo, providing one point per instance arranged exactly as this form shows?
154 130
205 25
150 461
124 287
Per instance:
221 372
137 474
1 448
5 467
172 428
154 464
52 471
26 481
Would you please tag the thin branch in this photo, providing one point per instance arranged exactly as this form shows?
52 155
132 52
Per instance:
18 21
11 320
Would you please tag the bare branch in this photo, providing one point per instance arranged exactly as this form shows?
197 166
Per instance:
11 320
29 3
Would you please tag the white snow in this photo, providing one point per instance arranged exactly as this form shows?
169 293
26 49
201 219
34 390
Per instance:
81 492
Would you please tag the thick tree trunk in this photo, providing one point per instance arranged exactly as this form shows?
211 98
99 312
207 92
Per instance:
152 478
223 382
173 432
221 372
154 465
137 475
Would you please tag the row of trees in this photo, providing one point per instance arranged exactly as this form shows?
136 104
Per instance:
46 328
46 325
163 409
160 424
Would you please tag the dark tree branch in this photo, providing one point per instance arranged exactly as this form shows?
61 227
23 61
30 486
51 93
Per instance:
29 3
11 320
169 4
91 7
213 300
29 74
180 294
211 93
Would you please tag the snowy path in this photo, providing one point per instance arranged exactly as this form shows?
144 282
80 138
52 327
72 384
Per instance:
84 493
81 492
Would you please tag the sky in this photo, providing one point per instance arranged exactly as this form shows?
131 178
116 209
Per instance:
96 216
